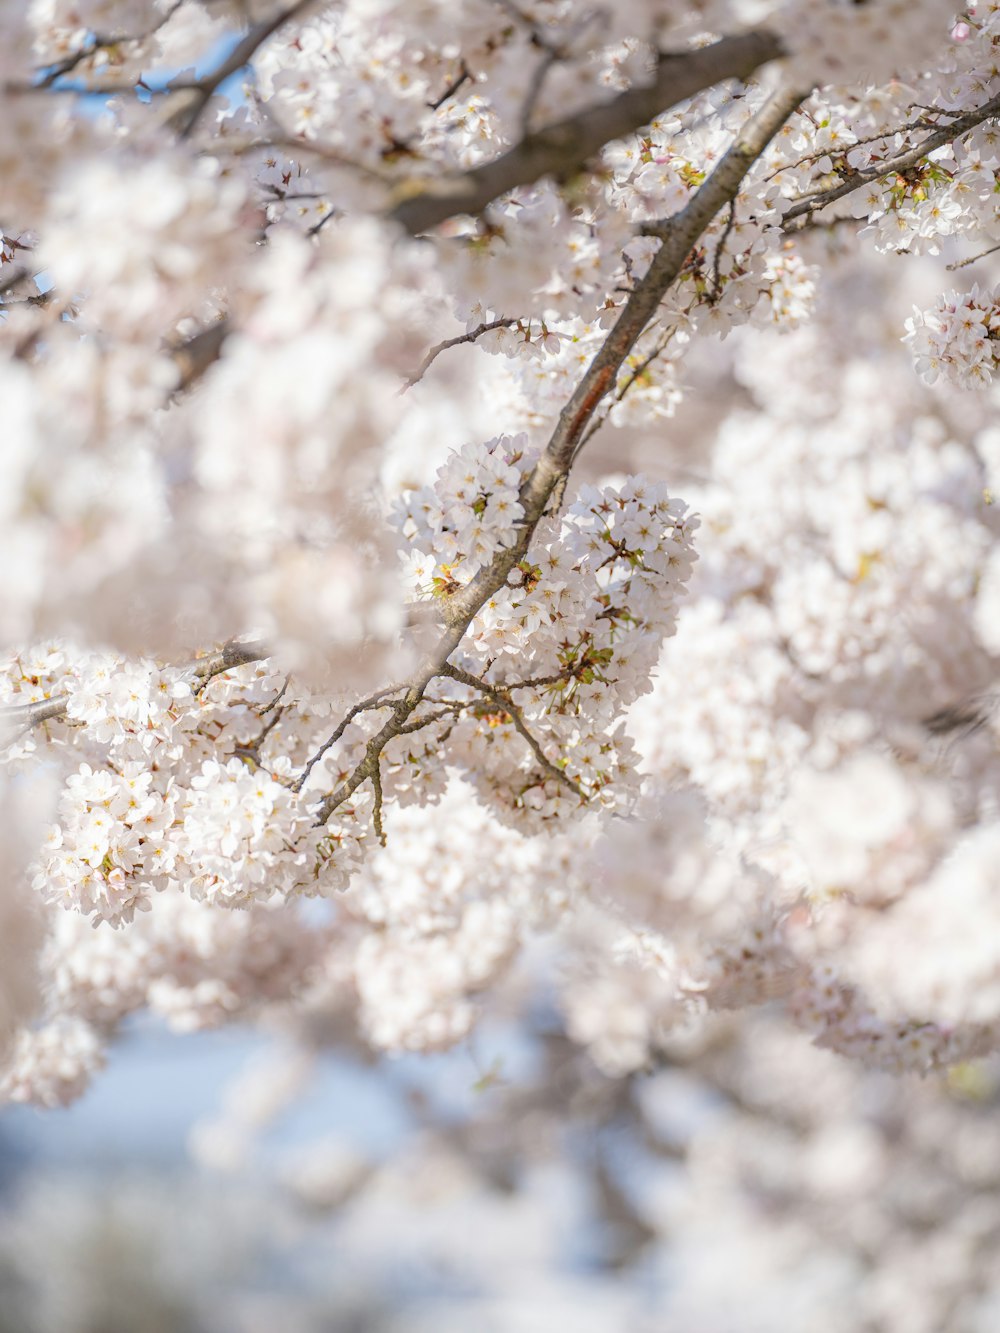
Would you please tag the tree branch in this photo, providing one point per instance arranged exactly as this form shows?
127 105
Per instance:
186 118
100 42
200 351
972 259
440 347
563 149
227 658
809 204
679 235
23 717
462 77
498 695
373 701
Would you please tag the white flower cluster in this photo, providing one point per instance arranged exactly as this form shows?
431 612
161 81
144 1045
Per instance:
456 526
598 595
957 338
591 608
109 850
152 809
238 827
720 925
52 1065
757 842
143 242
196 964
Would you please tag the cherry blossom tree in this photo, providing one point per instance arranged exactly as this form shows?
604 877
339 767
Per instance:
351 674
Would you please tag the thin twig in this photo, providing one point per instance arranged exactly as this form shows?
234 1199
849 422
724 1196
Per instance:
973 259
203 669
251 749
185 120
829 224
98 42
538 76
436 351
462 78
317 227
373 701
809 204
551 55
502 699
277 698
720 246
419 723
966 717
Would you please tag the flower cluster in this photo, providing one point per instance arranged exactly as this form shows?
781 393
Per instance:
109 850
455 527
109 218
210 311
957 338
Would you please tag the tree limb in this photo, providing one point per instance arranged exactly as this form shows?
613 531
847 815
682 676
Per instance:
562 149
373 701
200 351
186 118
679 234
231 655
102 42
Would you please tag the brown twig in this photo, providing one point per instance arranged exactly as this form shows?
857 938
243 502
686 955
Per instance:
203 669
459 81
440 347
499 696
972 259
98 42
251 749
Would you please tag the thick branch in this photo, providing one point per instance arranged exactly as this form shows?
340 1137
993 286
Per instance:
563 149
229 657
194 356
678 235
